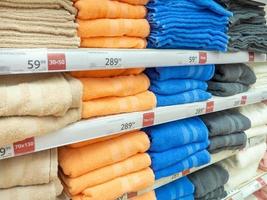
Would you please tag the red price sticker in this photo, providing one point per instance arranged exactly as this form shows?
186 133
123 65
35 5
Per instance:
132 195
251 56
25 146
261 182
203 57
210 107
243 100
148 119
56 61
186 172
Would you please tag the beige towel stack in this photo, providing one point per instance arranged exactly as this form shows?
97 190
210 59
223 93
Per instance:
30 177
32 23
32 105
260 70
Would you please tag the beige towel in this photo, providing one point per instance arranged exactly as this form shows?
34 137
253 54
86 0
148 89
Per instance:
32 169
256 131
14 129
36 192
38 95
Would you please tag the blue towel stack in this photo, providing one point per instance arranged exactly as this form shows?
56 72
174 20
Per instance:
181 189
180 85
178 146
188 24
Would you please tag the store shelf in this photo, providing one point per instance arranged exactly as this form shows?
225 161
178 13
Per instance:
104 126
248 188
15 61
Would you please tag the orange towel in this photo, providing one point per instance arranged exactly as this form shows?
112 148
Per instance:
119 86
79 161
115 105
135 2
107 73
92 9
104 174
114 42
113 27
119 186
147 196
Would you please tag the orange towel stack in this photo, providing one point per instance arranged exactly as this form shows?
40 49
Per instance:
107 169
112 24
115 91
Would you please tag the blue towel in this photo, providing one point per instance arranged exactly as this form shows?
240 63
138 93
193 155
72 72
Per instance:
161 160
175 190
178 133
182 98
174 86
197 72
200 158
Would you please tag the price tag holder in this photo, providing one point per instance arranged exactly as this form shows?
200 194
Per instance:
6 152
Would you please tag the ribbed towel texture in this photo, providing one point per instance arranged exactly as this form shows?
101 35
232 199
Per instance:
188 24
180 85
112 24
35 24
231 79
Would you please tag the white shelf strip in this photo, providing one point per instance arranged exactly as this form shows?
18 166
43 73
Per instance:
104 126
17 61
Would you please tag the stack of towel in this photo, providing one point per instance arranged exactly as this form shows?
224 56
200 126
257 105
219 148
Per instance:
32 105
178 146
260 70
180 85
115 91
112 24
188 24
209 183
106 170
46 23
30 177
231 79
247 27
226 130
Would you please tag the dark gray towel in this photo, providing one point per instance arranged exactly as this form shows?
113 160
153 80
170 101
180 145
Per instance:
217 194
208 179
227 142
226 89
225 122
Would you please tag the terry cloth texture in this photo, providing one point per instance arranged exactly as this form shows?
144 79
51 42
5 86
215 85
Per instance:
231 79
188 24
260 70
35 24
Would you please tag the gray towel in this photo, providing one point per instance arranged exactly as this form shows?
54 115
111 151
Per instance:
226 89
208 179
225 122
217 194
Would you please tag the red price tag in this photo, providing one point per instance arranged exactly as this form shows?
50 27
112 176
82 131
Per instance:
261 181
203 57
210 107
251 56
148 119
56 61
243 100
25 146
186 172
131 195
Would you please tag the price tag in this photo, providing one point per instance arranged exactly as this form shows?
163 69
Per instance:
148 119
186 172
132 195
243 100
210 107
251 56
24 147
203 57
200 111
175 177
6 152
111 62
56 61
127 126
261 182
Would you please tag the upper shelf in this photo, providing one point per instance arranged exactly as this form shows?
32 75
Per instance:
17 61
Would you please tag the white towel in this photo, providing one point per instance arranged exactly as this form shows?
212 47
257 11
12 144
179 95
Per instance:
256 131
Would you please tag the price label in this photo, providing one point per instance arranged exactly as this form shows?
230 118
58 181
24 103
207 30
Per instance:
261 182
251 56
148 119
210 107
56 61
200 111
203 57
127 126
192 59
24 147
6 152
186 172
243 100
113 62
175 177
132 195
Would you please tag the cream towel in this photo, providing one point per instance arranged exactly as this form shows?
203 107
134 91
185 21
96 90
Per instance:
256 131
14 129
36 192
38 95
258 68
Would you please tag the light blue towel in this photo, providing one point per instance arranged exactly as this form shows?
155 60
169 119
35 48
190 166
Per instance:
182 98
161 160
198 159
178 133
197 72
178 189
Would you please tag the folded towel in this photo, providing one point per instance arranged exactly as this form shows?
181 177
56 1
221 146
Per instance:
263 163
182 98
258 68
175 190
119 86
219 194
114 42
105 174
14 129
135 2
196 160
113 27
106 73
90 9
161 160
256 131
147 196
227 142
38 95
208 179
115 188
226 89
35 192
225 122
177 133
200 72
79 161
115 105
22 170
